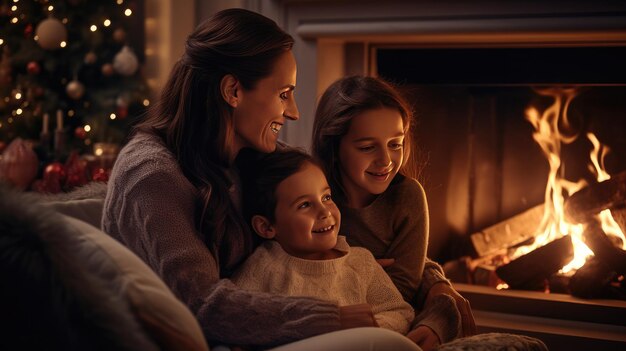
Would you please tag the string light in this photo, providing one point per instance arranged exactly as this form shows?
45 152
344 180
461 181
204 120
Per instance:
50 8
64 20
10 120
107 22
128 12
14 20
119 2
1 41
18 95
18 111
146 102
93 28
14 8
87 128
63 44
112 116
70 113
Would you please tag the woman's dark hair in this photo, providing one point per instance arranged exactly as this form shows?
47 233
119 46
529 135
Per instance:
341 102
195 122
262 173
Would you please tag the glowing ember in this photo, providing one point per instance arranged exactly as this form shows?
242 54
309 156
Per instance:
549 134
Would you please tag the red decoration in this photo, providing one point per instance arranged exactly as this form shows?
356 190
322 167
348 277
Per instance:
33 68
122 111
75 169
100 175
107 69
55 172
28 30
19 163
2 146
80 133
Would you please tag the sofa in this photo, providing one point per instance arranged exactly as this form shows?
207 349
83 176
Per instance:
66 285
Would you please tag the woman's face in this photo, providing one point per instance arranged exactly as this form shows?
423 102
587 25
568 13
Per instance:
371 154
261 112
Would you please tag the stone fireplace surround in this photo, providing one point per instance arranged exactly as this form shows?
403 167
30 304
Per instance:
335 38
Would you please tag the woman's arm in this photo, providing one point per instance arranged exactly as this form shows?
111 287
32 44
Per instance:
153 216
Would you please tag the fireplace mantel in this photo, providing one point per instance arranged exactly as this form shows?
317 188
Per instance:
326 33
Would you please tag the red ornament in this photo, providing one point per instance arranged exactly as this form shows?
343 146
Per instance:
100 175
33 68
80 133
54 172
122 112
76 169
28 30
18 164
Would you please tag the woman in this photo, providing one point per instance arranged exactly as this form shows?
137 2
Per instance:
173 195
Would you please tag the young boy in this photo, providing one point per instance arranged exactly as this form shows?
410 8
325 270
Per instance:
287 200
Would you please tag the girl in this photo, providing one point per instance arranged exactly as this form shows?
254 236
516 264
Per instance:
361 134
173 195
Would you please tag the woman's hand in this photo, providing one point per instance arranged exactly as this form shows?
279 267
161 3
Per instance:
355 316
424 337
468 324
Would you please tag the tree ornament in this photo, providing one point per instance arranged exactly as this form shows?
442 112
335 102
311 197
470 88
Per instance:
18 164
50 33
33 68
119 35
90 58
75 89
80 133
107 70
76 171
122 112
100 175
125 62
28 30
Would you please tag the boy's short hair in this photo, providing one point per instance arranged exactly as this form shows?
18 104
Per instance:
261 174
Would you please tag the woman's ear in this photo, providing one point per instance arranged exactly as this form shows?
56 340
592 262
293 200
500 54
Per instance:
263 227
228 87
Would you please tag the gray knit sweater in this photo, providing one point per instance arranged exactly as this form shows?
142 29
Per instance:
395 226
150 208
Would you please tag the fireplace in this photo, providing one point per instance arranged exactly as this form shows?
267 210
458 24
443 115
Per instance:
469 68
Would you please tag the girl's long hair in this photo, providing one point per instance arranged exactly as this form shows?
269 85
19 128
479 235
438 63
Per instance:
196 124
341 102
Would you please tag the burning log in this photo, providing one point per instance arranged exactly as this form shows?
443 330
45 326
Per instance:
538 264
505 234
593 280
591 200
603 248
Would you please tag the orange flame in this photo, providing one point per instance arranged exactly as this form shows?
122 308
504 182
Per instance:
549 127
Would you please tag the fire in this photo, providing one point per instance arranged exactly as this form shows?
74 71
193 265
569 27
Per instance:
551 129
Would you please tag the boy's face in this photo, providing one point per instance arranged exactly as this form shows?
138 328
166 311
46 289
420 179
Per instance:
371 154
307 219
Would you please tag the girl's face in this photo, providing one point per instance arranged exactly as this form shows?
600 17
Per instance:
307 219
261 112
371 154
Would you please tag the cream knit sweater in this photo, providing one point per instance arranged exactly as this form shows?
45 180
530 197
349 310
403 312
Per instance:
354 278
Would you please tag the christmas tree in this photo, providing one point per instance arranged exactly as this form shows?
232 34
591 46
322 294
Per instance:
70 74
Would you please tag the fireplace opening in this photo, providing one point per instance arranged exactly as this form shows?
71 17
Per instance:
484 171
